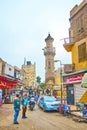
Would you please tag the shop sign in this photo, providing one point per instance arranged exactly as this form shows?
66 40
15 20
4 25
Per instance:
57 87
73 78
6 83
2 83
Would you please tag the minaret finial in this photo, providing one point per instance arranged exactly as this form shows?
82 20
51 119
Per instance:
48 33
49 37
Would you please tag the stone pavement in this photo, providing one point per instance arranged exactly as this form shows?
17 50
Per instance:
73 112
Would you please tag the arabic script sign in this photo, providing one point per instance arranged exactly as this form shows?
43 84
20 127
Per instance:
2 83
73 78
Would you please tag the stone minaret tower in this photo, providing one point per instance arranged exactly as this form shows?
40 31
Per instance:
49 52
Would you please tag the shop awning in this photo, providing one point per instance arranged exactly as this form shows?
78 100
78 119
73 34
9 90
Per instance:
84 81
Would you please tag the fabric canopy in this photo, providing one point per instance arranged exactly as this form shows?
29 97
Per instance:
84 81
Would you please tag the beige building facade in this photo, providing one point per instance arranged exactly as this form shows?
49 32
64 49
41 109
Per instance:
30 70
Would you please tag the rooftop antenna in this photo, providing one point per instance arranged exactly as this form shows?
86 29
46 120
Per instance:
24 60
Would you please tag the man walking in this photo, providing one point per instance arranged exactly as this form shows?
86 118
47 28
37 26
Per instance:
16 108
24 106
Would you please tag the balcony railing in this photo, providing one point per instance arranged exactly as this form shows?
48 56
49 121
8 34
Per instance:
68 41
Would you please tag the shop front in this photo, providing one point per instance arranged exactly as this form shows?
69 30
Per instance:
72 82
6 85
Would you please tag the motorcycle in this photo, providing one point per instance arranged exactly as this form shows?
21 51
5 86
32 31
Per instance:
31 103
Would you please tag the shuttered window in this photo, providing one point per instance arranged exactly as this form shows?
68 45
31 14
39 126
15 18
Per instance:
82 53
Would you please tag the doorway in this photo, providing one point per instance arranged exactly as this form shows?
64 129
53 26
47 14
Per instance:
70 94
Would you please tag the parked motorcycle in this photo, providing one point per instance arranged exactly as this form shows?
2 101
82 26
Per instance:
32 103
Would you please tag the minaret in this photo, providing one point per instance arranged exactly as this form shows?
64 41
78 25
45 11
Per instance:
49 52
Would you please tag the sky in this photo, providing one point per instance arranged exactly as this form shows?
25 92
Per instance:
24 25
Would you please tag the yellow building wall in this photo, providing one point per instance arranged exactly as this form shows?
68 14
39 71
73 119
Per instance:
58 92
58 83
81 65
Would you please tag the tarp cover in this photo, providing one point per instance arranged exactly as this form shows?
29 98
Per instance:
84 81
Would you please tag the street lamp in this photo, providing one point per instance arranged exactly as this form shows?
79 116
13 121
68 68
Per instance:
60 78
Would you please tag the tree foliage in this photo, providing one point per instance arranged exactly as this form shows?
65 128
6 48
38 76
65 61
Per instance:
42 85
38 79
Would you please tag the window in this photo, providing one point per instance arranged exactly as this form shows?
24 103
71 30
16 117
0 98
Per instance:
9 69
49 64
82 53
80 23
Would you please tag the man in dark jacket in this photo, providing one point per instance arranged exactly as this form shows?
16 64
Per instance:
16 108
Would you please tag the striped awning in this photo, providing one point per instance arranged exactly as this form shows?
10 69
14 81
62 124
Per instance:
84 81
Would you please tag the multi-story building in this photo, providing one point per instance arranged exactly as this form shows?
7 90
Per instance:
30 70
77 45
7 79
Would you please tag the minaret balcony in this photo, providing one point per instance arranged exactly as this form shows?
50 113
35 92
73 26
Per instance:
49 51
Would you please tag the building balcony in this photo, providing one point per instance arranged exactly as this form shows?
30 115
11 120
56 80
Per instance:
49 51
68 43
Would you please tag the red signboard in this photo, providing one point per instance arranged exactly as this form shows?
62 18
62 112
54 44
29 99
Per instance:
7 82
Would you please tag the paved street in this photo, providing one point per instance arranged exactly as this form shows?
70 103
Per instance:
37 120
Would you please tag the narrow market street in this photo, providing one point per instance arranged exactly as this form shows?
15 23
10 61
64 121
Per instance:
37 120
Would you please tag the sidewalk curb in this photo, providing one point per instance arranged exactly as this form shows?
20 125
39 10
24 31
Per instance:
77 115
